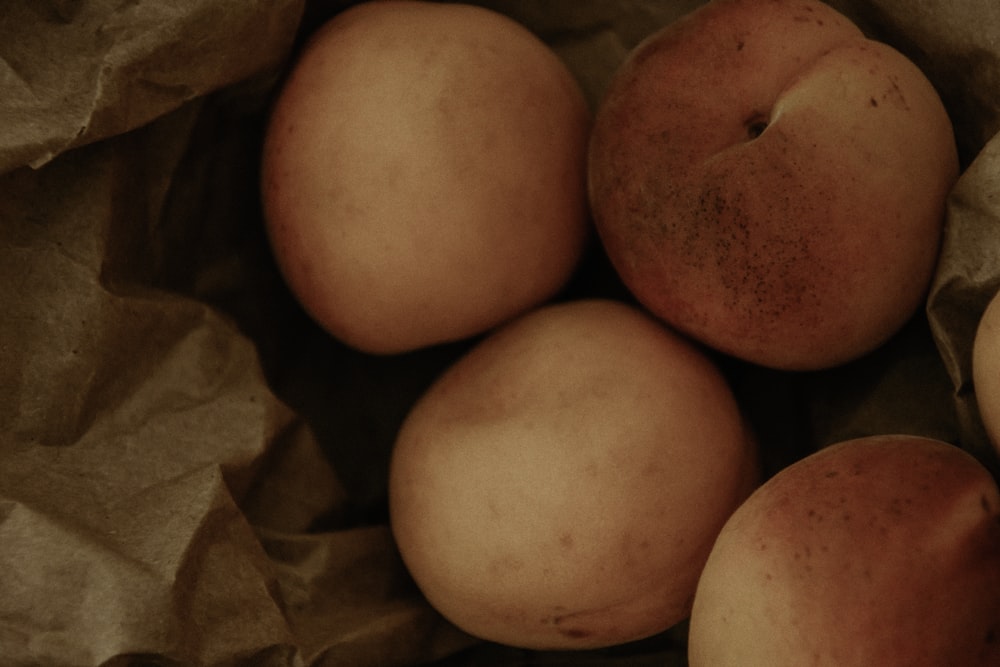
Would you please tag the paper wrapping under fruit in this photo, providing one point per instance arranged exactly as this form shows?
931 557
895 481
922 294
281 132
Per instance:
191 472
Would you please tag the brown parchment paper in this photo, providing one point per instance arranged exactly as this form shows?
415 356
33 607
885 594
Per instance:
191 472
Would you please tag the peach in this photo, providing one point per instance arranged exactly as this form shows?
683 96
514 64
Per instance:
883 550
423 174
986 370
561 485
771 182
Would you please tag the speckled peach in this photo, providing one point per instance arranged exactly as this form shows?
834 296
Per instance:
883 550
771 182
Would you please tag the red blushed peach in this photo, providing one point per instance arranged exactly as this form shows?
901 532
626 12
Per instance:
771 182
876 551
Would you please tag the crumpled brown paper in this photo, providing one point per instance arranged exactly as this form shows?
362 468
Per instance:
191 472
76 72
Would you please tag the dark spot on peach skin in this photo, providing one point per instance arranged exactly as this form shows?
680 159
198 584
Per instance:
574 633
506 565
755 270
561 623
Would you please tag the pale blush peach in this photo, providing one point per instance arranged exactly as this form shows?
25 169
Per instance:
424 174
561 485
